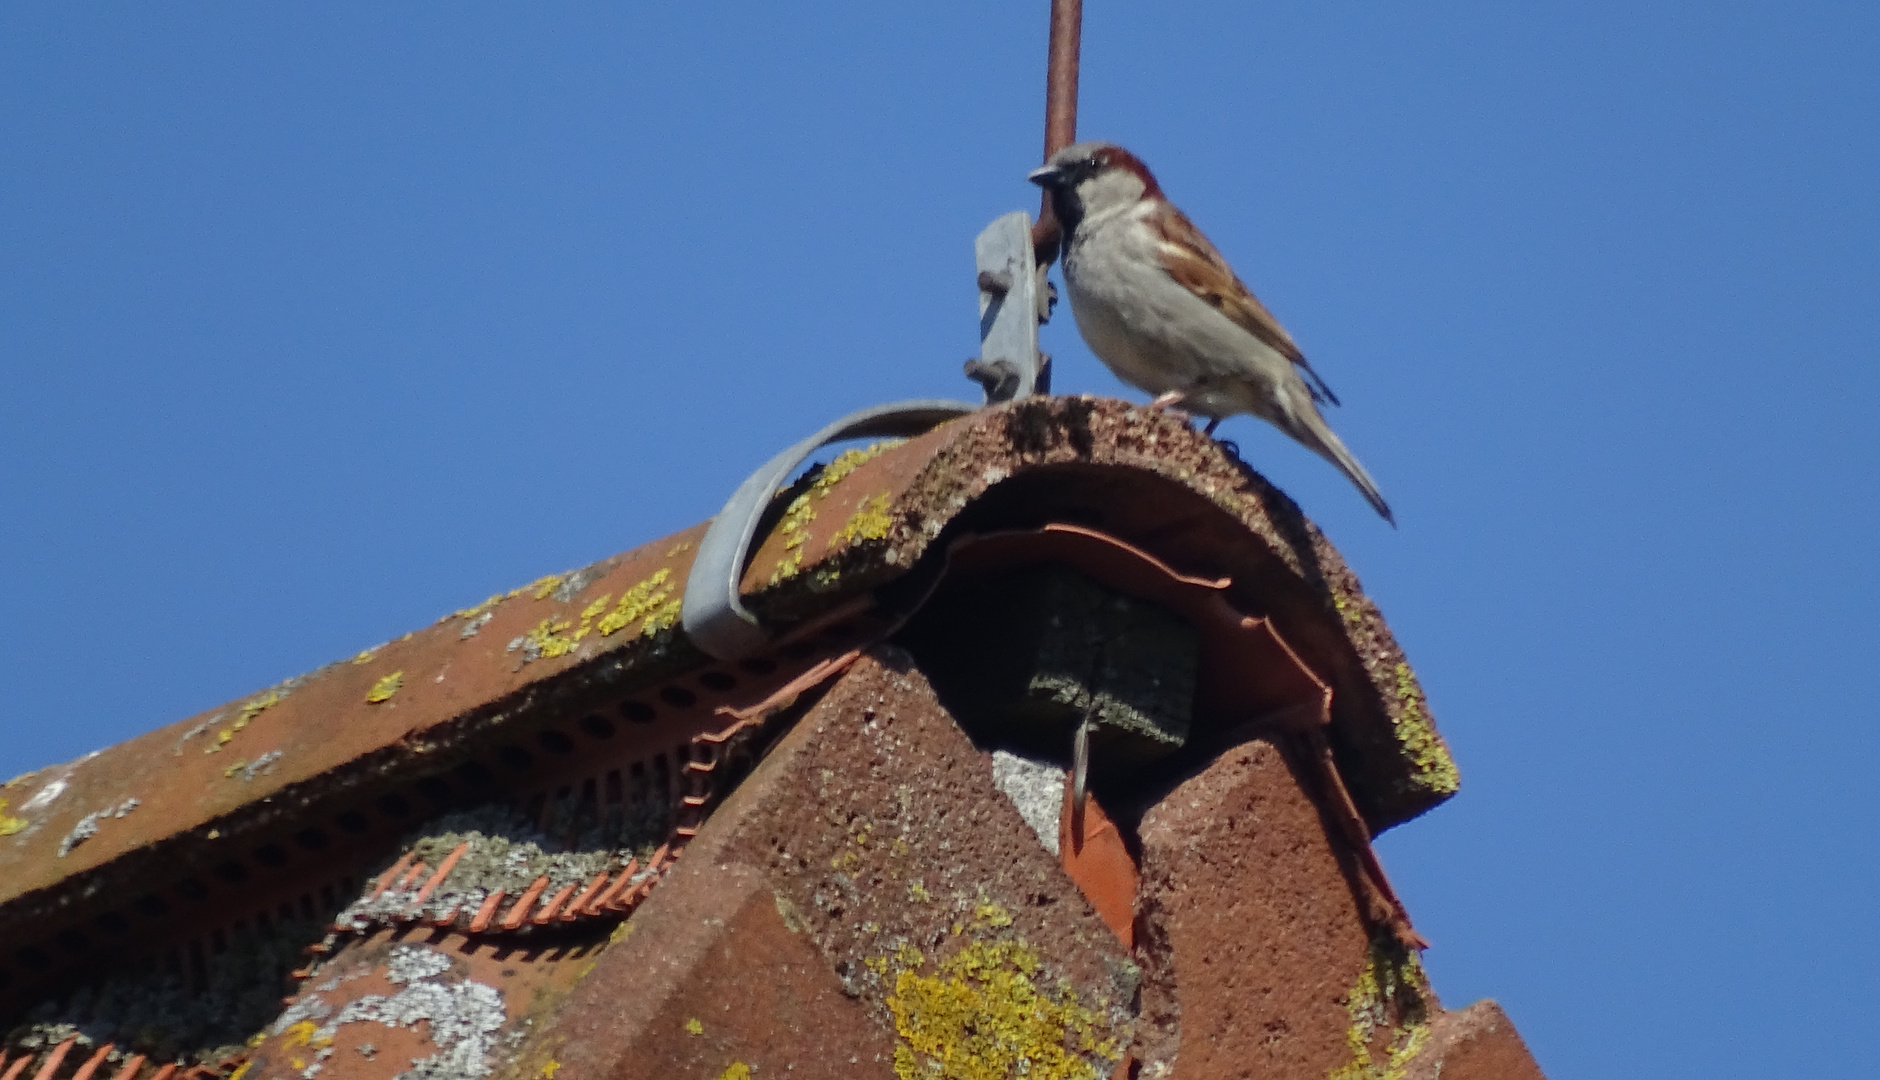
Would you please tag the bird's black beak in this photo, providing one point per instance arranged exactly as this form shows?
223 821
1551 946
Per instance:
1048 177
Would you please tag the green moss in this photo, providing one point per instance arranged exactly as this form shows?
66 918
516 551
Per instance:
1388 999
1436 770
981 1015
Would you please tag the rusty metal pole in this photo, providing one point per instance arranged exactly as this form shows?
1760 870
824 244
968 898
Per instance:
1060 110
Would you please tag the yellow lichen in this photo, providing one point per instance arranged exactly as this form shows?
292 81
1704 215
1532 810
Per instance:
550 638
365 657
253 708
992 915
10 825
1388 997
918 893
870 522
385 687
478 609
647 600
550 1068
737 1070
693 1027
1435 768
981 1016
797 516
683 545
300 1034
544 586
242 1071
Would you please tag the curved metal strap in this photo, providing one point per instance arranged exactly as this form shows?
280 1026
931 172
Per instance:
712 616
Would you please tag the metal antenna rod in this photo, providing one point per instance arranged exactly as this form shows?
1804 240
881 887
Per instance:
1060 110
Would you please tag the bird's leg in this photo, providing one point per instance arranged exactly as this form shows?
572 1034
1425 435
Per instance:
1212 424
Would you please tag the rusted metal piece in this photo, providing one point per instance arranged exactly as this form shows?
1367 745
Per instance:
443 871
580 905
1060 110
56 1058
481 921
520 912
1093 853
546 914
612 892
391 874
92 1064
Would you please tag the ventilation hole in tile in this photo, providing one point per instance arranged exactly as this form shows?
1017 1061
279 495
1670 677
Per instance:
313 839
515 757
112 922
475 775
638 712
758 665
555 742
232 872
271 855
72 941
598 727
393 806
678 697
718 681
191 889
352 821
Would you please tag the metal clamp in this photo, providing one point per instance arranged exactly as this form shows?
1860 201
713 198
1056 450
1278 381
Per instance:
1014 298
712 615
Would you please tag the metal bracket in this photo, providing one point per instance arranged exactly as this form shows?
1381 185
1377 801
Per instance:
1014 298
712 615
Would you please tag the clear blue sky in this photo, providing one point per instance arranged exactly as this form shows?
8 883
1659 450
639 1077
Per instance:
320 321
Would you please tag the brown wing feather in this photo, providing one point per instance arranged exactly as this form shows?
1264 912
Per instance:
1195 263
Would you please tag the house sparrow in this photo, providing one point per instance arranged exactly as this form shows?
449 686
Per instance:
1163 310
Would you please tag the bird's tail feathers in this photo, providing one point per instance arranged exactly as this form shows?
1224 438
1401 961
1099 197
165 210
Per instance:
1310 429
1321 392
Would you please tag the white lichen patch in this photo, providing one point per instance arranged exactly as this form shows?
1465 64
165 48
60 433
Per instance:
1036 788
506 852
463 1017
260 766
87 826
45 795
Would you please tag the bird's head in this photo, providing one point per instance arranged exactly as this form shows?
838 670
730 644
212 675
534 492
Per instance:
1091 177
